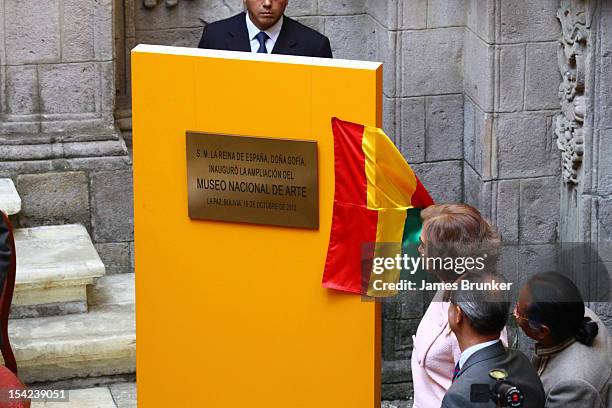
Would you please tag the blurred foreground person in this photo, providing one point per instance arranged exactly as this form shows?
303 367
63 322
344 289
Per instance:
477 318
10 383
573 353
5 250
8 380
456 230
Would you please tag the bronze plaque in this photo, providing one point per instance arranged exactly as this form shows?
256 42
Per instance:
253 179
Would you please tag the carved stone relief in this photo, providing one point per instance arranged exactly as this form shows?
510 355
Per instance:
153 3
573 55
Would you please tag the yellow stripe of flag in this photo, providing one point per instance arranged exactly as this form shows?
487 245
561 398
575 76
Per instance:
391 181
389 233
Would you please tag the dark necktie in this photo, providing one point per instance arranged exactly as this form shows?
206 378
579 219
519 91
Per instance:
456 371
262 37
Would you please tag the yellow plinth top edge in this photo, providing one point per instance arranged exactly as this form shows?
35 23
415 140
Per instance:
250 56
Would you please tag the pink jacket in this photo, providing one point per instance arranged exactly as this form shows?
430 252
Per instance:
434 356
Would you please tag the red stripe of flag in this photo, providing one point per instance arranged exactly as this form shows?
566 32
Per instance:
421 198
351 183
352 223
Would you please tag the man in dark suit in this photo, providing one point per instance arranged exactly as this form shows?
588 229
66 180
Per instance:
477 315
264 29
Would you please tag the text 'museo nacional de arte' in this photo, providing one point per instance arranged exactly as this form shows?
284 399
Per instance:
253 179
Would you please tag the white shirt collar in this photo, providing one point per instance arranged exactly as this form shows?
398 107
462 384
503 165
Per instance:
468 352
273 32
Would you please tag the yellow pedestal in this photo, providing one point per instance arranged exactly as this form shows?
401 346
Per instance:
234 315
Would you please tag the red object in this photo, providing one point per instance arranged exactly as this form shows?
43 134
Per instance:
8 372
6 298
9 382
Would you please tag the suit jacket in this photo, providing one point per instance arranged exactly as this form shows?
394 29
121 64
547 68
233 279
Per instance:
476 371
575 375
231 34
434 354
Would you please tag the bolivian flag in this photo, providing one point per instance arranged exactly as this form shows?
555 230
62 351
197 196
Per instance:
378 199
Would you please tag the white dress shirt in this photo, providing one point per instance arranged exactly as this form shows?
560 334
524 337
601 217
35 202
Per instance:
467 353
273 33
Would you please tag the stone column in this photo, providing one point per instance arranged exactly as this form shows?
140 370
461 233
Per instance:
584 128
510 83
601 145
574 125
585 118
421 45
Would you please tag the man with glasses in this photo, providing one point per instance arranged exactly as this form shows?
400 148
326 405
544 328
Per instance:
573 350
477 318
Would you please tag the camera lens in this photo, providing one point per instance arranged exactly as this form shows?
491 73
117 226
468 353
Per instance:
509 395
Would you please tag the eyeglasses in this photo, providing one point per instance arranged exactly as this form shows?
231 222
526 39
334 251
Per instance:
517 315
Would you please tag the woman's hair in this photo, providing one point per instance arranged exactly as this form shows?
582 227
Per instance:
459 230
557 304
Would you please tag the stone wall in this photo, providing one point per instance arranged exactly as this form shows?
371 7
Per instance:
57 134
511 80
56 65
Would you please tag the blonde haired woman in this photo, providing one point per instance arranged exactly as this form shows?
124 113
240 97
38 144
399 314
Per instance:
456 230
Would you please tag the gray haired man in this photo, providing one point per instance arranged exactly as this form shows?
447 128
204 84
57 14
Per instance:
477 318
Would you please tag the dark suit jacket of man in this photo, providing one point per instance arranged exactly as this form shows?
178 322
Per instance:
476 371
231 34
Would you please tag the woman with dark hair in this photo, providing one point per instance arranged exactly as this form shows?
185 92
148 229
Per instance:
573 352
449 230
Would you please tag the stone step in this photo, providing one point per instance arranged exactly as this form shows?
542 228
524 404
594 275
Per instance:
86 398
58 138
54 266
393 404
118 395
124 394
101 342
10 202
